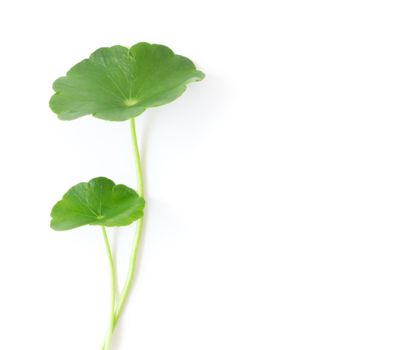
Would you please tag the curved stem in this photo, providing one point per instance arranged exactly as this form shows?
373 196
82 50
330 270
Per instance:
137 237
117 310
113 290
137 158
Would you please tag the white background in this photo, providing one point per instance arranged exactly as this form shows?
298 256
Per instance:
283 190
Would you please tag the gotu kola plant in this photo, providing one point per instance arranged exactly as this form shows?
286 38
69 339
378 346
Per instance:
116 84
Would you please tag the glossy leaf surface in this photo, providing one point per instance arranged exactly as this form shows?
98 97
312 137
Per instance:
116 83
97 202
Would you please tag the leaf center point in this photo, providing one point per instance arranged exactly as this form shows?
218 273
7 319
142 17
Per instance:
131 101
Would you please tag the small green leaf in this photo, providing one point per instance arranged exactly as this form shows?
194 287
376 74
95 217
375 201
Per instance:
97 202
116 83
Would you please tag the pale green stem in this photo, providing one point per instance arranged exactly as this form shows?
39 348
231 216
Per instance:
137 158
139 228
113 290
137 237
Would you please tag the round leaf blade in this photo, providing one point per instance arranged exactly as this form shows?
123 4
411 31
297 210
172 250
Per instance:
97 202
116 83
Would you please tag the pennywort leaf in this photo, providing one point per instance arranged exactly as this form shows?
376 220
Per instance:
97 202
118 83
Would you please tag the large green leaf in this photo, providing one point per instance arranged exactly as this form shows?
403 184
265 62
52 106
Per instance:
117 83
97 202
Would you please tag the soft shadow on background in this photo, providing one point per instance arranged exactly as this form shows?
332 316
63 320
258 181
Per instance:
195 116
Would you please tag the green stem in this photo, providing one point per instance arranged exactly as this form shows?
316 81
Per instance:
137 237
117 309
137 158
113 290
